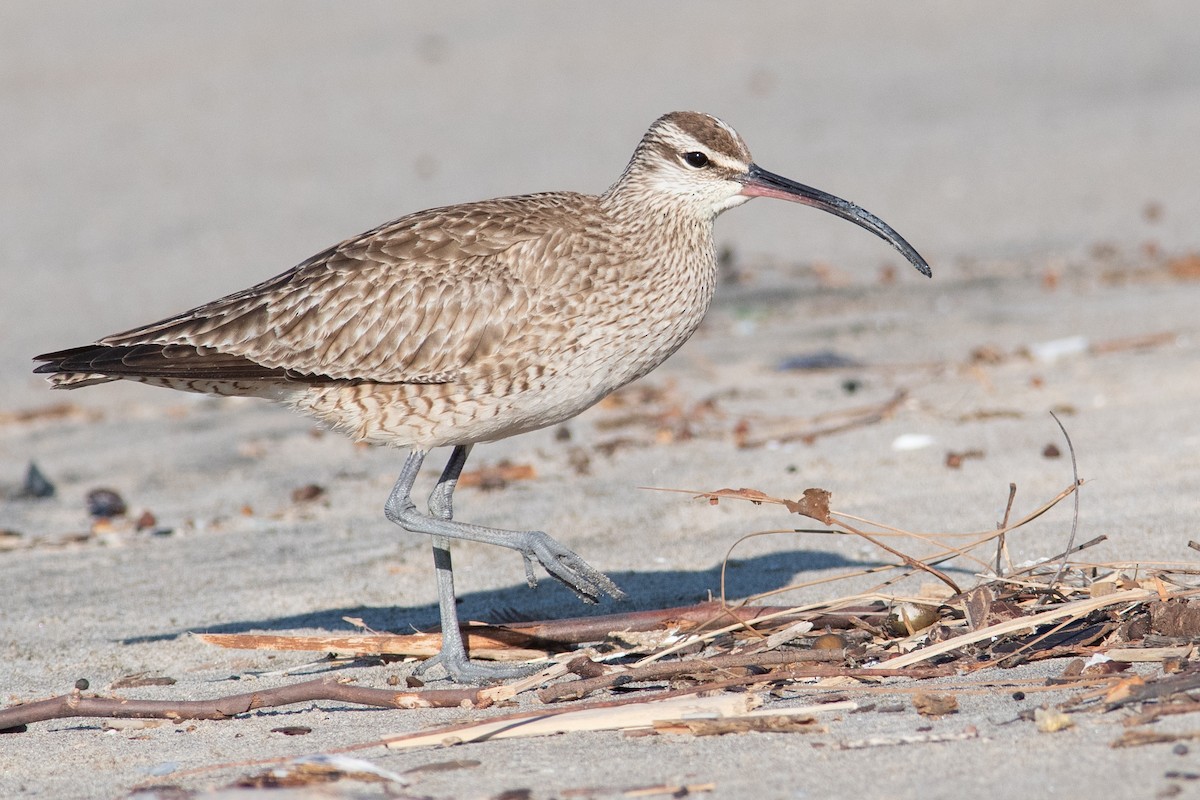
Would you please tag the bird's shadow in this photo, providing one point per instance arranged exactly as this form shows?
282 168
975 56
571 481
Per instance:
550 600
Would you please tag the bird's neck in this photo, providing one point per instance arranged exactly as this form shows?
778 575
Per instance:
647 215
669 267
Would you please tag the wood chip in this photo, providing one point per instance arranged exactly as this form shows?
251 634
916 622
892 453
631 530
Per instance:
141 679
1051 720
935 705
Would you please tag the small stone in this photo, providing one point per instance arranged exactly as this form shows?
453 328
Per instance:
82 684
307 493
36 485
830 641
293 730
105 504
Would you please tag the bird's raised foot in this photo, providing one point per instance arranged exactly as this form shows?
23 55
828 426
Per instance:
461 669
565 566
562 564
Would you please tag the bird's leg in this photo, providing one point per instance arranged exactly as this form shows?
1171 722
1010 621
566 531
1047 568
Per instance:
453 654
561 563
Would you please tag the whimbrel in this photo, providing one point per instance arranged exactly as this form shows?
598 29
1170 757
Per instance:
475 322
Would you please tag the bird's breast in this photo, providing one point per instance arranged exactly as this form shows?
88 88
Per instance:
626 325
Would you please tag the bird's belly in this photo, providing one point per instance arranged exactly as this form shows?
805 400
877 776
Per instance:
529 387
480 409
435 415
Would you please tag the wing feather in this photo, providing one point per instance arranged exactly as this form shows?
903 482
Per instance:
418 300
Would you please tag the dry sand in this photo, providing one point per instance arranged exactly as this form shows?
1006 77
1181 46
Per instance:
156 156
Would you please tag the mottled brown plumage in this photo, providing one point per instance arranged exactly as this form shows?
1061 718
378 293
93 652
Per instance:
474 322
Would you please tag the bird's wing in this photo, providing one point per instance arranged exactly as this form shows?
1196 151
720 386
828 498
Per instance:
418 300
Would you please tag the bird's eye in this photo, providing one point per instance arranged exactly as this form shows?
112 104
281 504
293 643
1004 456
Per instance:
696 160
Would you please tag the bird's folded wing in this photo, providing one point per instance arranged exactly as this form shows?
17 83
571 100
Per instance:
416 301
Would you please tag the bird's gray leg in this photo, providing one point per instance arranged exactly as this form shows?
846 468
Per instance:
561 563
453 654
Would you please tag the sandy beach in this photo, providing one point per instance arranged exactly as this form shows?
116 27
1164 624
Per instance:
1042 158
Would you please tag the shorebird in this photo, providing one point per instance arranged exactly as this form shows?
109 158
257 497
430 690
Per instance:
475 322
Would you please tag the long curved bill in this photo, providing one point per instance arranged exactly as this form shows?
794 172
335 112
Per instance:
757 182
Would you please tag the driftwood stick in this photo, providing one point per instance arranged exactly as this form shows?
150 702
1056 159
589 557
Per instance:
514 640
76 704
489 644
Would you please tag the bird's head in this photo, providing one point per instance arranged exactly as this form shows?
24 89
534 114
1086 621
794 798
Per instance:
702 167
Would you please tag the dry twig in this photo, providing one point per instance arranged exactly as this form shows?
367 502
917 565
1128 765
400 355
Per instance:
808 431
1075 517
76 704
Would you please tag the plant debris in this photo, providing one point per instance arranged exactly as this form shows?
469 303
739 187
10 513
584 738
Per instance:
1051 720
732 668
320 769
307 493
139 679
935 705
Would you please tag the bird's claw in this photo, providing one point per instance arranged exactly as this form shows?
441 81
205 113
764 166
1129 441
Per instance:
461 669
562 564
530 578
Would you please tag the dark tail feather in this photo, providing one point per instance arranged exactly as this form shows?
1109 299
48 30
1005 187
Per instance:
81 366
